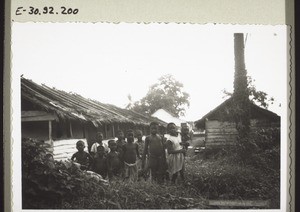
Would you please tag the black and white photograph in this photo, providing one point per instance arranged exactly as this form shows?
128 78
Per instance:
150 116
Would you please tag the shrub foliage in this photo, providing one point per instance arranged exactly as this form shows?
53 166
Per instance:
219 175
57 185
47 184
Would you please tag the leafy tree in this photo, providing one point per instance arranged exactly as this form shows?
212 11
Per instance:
167 94
260 98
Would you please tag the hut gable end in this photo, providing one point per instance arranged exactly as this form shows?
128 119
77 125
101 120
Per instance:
221 113
220 129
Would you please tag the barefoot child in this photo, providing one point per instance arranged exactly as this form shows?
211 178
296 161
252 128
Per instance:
113 161
100 163
155 150
175 153
82 157
130 155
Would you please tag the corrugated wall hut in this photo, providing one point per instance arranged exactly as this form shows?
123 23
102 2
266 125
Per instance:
62 118
220 130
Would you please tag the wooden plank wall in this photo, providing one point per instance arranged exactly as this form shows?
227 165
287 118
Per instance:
223 133
219 133
64 149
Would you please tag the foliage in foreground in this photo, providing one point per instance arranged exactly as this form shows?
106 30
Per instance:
46 184
219 175
58 185
144 195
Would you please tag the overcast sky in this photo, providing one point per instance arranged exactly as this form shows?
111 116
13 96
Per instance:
107 62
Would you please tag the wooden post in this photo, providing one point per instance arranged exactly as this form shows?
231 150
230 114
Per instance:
71 131
105 130
50 131
83 131
113 130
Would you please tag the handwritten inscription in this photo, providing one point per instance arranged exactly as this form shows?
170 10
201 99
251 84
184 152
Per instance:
46 11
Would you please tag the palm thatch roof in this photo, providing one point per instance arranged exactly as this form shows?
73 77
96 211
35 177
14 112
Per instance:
221 113
75 107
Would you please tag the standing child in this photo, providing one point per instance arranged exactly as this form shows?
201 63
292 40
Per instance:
166 174
99 139
130 155
185 137
155 150
113 161
175 153
82 157
100 163
141 145
140 142
120 142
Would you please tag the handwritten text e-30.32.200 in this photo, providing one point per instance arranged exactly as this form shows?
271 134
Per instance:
46 11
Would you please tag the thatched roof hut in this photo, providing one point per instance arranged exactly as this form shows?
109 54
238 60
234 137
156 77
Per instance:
220 129
61 118
73 106
221 112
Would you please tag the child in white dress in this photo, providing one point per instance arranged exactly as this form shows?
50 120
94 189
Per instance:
175 153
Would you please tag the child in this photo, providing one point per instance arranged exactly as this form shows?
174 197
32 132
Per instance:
175 153
113 161
185 137
130 155
140 142
99 138
155 150
50 161
100 163
141 146
121 141
82 157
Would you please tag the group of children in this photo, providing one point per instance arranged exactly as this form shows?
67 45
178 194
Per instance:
161 157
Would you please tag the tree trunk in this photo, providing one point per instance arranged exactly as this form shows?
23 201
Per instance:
241 94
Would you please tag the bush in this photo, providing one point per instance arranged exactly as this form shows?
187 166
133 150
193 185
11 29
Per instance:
47 184
146 195
229 181
266 155
222 175
56 185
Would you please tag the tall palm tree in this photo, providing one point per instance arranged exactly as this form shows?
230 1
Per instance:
241 93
